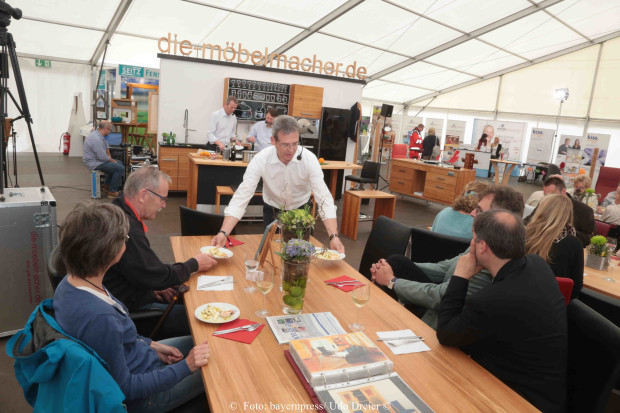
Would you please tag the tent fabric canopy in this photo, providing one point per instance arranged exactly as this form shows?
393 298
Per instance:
412 49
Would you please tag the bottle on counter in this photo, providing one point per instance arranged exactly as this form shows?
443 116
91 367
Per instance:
233 152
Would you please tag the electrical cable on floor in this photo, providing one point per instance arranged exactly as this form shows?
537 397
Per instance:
68 187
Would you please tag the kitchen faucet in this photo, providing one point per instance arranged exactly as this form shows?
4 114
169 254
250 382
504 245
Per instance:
186 125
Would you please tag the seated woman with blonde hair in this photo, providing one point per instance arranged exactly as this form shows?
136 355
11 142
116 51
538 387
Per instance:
551 235
456 220
581 184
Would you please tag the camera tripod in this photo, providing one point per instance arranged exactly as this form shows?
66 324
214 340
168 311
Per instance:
8 54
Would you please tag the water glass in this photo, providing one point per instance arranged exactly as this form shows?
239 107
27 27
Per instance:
251 266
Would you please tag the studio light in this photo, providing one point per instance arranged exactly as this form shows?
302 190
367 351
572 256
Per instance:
561 94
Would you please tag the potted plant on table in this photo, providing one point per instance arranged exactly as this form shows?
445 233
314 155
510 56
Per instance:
598 253
296 255
296 223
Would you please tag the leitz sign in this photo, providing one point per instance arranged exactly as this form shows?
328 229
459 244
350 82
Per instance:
238 54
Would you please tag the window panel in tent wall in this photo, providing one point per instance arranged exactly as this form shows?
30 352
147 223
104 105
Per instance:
44 39
533 36
480 96
49 92
606 103
69 11
428 76
188 20
390 27
531 90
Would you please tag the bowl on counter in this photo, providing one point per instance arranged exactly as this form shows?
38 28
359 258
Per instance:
117 119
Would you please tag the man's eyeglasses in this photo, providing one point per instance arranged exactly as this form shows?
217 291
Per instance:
163 199
293 145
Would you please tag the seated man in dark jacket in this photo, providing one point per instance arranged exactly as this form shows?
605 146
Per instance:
583 215
140 280
516 327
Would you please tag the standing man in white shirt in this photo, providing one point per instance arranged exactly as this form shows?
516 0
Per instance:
290 175
222 124
260 133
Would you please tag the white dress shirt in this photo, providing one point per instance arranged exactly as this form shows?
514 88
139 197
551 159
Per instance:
611 214
221 127
262 133
285 187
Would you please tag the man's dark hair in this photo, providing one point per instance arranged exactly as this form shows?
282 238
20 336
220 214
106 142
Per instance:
505 197
273 112
503 232
554 180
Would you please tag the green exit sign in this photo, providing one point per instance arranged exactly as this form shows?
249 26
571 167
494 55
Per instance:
42 63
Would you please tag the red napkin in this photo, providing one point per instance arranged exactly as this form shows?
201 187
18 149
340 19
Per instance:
241 336
346 288
234 242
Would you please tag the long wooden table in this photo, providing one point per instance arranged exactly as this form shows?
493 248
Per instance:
594 279
243 376
196 161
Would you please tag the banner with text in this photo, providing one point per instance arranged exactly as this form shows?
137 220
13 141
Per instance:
540 145
510 136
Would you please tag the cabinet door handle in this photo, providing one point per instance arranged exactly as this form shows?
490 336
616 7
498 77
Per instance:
451 173
400 182
440 178
439 186
307 114
170 160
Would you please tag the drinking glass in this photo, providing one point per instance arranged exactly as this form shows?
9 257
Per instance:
361 296
251 265
264 282
613 262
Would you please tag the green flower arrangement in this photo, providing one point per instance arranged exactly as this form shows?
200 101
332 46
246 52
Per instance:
296 223
598 246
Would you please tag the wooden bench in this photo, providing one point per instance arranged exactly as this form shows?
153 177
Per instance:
385 204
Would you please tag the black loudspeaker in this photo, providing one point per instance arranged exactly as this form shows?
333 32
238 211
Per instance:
386 110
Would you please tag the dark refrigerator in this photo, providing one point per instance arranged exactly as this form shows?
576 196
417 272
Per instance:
333 140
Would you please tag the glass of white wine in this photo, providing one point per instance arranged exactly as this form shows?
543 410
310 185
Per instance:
264 282
250 270
361 296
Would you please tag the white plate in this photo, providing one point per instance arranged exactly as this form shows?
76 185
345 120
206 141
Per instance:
208 250
221 306
340 255
239 147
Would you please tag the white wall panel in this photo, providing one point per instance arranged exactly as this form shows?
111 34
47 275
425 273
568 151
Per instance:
480 96
606 103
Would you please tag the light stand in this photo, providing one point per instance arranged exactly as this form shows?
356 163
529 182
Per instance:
380 153
562 96
7 51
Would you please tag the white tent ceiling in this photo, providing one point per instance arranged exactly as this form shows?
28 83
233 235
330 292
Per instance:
413 49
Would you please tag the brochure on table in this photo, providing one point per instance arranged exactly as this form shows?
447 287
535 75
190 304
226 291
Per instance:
348 372
293 327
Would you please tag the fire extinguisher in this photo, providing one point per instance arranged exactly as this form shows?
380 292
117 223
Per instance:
65 140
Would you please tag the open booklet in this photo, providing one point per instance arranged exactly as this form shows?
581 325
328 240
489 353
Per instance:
293 327
349 373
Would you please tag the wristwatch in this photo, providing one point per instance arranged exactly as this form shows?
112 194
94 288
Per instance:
223 232
332 236
392 282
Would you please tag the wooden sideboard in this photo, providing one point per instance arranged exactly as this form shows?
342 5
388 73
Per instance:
429 182
173 160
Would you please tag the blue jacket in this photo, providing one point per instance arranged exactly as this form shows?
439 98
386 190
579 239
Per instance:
59 373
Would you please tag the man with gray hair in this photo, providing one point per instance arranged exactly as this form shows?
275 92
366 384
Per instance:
96 156
140 280
222 125
516 327
290 175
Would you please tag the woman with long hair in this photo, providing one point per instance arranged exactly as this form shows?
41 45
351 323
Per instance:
551 235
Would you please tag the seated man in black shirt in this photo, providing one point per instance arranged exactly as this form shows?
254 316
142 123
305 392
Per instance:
516 327
140 280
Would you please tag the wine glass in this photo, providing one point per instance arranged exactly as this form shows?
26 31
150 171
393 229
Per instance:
264 282
251 265
613 262
361 296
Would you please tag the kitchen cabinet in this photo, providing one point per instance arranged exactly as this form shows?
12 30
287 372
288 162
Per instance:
429 182
174 162
306 101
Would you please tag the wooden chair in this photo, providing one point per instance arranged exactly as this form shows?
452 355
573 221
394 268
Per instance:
593 358
386 238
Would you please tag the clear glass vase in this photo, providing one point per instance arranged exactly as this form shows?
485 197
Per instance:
289 233
294 280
